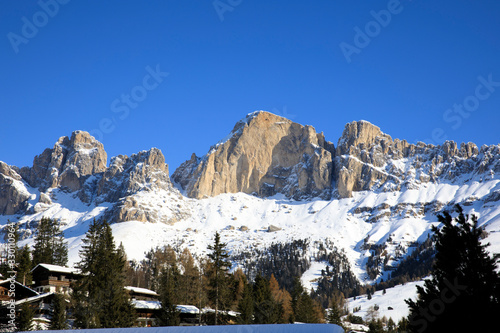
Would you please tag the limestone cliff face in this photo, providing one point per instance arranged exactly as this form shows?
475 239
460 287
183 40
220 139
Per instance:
367 159
77 165
67 164
264 155
128 178
13 196
145 170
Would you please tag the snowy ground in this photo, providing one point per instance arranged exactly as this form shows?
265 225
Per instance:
243 221
394 298
303 328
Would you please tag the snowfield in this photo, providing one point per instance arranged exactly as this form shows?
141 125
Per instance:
244 220
391 305
289 328
244 223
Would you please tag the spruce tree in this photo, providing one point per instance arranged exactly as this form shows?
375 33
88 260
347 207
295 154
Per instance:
218 280
188 284
463 293
245 305
267 310
59 315
100 297
169 314
25 321
334 316
24 265
50 246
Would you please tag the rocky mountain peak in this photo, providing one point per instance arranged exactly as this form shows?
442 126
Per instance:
265 154
145 170
67 164
359 134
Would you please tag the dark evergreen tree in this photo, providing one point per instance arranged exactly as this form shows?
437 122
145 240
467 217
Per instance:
100 298
334 314
266 309
169 314
376 326
305 310
25 321
59 315
245 305
24 265
50 246
463 294
219 257
391 326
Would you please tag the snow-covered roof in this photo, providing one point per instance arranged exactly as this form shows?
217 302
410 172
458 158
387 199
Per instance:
57 268
33 298
138 290
19 284
188 309
229 313
141 304
156 305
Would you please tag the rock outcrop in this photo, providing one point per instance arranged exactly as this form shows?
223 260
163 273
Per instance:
128 178
367 159
264 155
13 195
68 164
145 170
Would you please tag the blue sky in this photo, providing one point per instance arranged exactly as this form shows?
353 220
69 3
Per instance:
178 75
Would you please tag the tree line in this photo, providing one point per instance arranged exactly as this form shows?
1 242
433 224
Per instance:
98 299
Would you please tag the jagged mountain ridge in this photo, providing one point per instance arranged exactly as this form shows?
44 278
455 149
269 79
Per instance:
368 188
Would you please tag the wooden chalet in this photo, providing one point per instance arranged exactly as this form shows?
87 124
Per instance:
53 278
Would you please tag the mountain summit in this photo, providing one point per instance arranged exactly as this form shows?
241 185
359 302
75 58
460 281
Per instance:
265 154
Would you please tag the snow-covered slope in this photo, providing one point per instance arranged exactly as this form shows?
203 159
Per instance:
391 304
289 328
243 221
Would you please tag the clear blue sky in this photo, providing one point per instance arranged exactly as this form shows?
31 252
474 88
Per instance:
227 58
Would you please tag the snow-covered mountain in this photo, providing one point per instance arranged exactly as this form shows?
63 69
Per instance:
270 180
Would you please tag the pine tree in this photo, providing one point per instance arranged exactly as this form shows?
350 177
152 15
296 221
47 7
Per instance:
189 280
391 326
218 280
266 309
245 305
305 310
283 298
24 265
334 316
50 246
25 321
100 297
463 293
59 316
169 314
